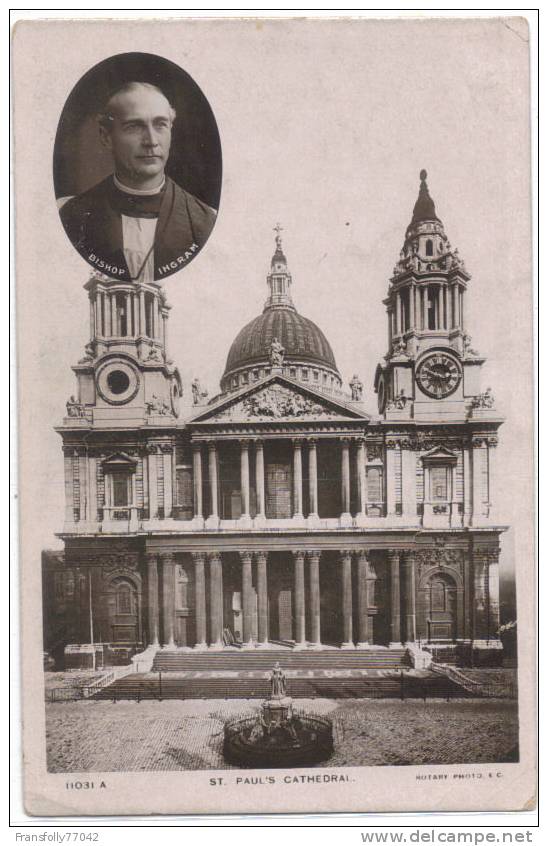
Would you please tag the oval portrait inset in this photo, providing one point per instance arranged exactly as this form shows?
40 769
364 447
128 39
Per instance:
137 168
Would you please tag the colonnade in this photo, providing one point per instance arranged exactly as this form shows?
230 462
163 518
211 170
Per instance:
133 312
449 308
257 445
307 627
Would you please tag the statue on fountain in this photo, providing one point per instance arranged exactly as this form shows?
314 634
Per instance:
278 686
278 736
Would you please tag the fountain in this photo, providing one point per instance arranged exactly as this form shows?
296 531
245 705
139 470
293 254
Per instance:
279 736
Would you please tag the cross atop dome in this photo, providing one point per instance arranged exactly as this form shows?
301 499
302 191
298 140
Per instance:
277 230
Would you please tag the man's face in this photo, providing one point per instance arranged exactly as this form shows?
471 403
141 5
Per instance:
139 137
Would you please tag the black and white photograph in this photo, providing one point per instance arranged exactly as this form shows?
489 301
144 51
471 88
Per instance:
277 469
137 168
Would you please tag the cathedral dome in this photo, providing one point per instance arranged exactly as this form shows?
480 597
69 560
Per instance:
307 354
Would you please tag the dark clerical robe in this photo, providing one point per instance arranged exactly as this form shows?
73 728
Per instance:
93 222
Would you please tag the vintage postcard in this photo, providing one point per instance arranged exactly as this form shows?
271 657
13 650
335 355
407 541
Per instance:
275 414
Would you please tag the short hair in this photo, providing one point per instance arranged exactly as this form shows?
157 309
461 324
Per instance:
106 116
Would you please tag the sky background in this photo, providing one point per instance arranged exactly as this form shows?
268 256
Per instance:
324 127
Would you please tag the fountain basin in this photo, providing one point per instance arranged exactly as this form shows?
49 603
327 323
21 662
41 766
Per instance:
278 737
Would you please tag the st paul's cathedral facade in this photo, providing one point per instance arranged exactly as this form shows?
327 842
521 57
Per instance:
281 513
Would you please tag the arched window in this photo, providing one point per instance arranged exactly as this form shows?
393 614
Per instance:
438 595
125 598
429 248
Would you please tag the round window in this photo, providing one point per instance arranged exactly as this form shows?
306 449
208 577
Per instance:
118 381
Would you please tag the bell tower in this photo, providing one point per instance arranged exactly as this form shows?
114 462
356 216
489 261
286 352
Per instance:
126 377
430 370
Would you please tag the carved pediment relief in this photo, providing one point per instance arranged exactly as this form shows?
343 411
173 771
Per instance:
277 401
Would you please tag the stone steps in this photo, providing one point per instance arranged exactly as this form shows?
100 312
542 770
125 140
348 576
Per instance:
289 660
144 687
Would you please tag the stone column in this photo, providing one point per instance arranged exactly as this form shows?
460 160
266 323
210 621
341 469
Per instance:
99 314
83 483
164 332
197 479
200 603
92 486
479 455
398 314
390 479
363 600
300 615
410 601
492 477
259 478
247 598
213 484
128 314
424 290
167 451
92 330
262 598
297 478
142 313
312 479
412 306
157 318
168 597
360 473
108 315
216 600
315 625
152 482
69 486
135 314
346 579
467 482
480 606
493 589
395 627
244 477
152 597
345 479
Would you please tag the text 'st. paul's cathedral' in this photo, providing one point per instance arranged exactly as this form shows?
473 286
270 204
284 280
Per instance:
280 513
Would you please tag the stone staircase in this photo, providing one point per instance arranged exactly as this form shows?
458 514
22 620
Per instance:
263 660
245 674
372 686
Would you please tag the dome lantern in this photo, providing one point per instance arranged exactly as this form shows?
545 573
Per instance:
279 278
308 356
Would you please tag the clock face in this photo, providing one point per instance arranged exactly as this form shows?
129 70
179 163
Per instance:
438 375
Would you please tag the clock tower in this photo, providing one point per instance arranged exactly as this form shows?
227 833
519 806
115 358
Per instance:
430 371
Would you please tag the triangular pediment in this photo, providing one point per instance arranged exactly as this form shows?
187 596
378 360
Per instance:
278 398
440 455
118 461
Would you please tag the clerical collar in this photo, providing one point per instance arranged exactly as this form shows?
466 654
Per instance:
136 192
134 203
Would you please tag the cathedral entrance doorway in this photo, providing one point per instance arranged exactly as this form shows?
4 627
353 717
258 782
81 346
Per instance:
439 607
280 597
123 605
